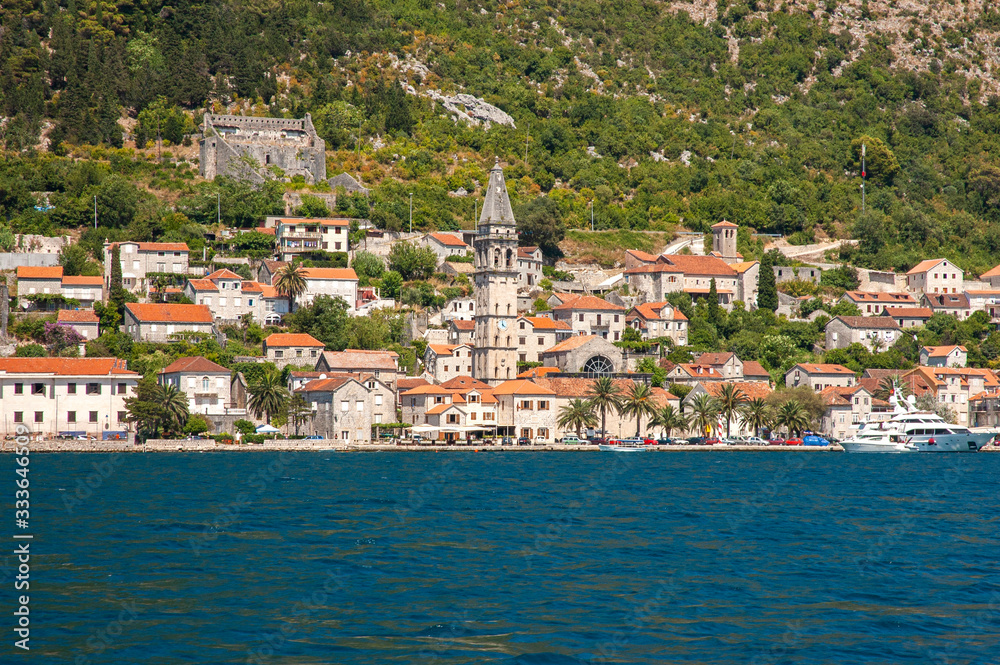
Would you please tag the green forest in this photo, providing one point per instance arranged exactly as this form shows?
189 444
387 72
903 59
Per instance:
631 107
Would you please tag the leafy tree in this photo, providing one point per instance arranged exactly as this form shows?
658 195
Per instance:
61 338
880 162
75 261
668 418
715 312
731 400
290 281
368 265
268 396
254 244
392 283
245 427
412 262
31 351
577 414
196 425
604 394
312 206
299 411
679 390
540 224
638 402
325 319
767 289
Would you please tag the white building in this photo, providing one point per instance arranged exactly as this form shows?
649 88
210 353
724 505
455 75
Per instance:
139 259
336 282
69 396
292 349
446 246
529 267
301 235
654 320
536 334
590 315
36 281
935 276
447 361
206 384
230 297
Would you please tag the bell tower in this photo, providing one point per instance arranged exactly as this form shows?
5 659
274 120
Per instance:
494 358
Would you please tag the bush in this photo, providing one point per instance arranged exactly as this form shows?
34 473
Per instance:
244 427
31 351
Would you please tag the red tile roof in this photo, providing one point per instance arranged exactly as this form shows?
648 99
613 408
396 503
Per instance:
443 349
170 313
924 266
700 265
653 311
942 351
461 324
643 256
329 273
357 359
83 280
545 323
724 224
947 300
448 239
324 385
752 389
66 366
409 383
909 312
426 389
571 343
589 302
203 285
715 358
536 372
880 298
869 321
521 387
223 273
33 272
193 364
291 339
77 316
829 368
266 230
464 383
754 368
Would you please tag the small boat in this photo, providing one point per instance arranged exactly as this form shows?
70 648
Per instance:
619 447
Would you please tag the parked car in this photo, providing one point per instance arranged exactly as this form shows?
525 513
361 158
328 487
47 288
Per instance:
314 437
570 440
664 441
523 441
599 441
794 441
814 440
649 442
712 440
756 441
696 441
776 441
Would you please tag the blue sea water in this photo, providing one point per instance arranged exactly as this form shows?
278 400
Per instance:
528 558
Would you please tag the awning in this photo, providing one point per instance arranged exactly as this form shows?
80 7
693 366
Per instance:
451 428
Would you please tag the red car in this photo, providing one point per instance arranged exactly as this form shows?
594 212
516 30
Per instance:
793 442
778 441
711 441
649 442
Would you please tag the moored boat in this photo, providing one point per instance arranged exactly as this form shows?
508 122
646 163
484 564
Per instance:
913 431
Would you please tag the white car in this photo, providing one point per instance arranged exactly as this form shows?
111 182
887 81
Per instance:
755 441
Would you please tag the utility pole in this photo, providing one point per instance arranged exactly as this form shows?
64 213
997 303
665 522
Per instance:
411 212
527 134
218 207
95 211
475 210
864 149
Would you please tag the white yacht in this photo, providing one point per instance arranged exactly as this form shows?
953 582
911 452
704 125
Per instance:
912 431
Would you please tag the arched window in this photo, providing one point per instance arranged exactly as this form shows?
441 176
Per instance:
510 259
508 372
496 372
205 384
598 365
508 308
496 258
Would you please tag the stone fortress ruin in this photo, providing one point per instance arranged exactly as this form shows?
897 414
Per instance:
244 148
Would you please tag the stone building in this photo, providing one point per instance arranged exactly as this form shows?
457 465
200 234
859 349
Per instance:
246 147
208 386
590 315
935 276
342 408
870 331
589 354
155 322
535 334
83 321
292 349
494 358
140 259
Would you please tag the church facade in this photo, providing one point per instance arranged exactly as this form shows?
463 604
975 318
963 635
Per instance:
494 359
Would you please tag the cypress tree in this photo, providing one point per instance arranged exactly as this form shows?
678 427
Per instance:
116 292
767 290
714 311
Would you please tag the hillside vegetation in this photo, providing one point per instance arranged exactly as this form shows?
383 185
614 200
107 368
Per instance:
659 114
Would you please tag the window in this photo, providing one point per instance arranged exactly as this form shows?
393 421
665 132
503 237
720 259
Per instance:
37 388
71 416
205 386
313 353
581 317
345 406
279 353
161 253
250 302
543 405
93 389
378 417
522 340
526 404
19 416
122 416
122 388
237 302
359 406
446 368
541 341
39 416
378 400
135 265
93 416
206 301
522 325
161 267
298 353
222 302
18 388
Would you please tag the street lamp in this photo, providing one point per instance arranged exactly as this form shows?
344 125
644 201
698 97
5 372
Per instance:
411 212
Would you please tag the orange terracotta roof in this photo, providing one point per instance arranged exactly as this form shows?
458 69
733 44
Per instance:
942 351
521 387
41 272
696 370
545 323
170 313
575 386
571 343
438 408
266 230
448 239
993 272
743 266
947 300
869 321
645 257
223 273
526 252
924 266
77 316
880 298
444 349
193 364
700 265
324 385
754 368
461 324
536 372
291 339
251 287
654 311
829 368
464 383
909 312
653 268
410 383
203 285
720 358
589 302
325 221
65 366
426 389
329 273
566 297
83 280
724 224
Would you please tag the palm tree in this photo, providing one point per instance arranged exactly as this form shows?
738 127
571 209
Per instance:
731 398
638 402
174 403
792 416
577 414
757 414
704 412
290 281
604 394
668 418
268 395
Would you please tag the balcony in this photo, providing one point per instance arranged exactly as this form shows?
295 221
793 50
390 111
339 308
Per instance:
301 235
